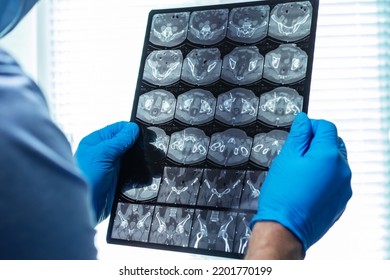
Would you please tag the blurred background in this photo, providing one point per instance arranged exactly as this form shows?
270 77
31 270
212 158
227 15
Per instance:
85 55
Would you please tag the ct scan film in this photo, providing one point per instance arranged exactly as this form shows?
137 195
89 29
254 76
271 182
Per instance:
217 92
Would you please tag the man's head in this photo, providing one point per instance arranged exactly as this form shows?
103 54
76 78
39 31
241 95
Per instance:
11 12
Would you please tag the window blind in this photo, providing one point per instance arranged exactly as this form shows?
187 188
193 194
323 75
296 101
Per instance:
93 50
347 88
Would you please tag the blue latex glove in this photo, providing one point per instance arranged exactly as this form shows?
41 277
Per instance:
98 156
309 182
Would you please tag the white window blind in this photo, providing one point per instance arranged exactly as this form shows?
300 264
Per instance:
93 51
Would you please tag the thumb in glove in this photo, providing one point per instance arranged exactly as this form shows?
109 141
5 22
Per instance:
98 157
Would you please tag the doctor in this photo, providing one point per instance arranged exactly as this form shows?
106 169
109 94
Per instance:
51 201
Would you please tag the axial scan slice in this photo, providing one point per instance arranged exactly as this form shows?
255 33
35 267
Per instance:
218 90
286 64
208 27
188 146
291 21
248 24
157 139
243 65
132 222
266 146
213 230
195 107
156 106
202 66
163 67
221 188
237 107
169 29
280 106
230 147
137 191
171 226
180 185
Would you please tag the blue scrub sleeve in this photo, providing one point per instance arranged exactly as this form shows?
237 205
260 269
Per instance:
44 202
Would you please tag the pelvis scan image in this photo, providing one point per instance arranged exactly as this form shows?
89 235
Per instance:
248 24
169 29
218 90
291 21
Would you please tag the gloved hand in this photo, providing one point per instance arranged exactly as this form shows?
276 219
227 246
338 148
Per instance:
98 156
309 182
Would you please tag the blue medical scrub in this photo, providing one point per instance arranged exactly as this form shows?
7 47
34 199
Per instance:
44 202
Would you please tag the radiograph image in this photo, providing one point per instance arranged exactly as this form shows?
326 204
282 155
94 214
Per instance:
169 29
156 106
221 188
202 66
195 107
213 230
280 106
248 24
252 187
141 191
171 226
286 64
266 146
243 233
237 107
132 222
230 147
243 65
180 185
163 67
291 21
218 89
208 27
188 146
156 138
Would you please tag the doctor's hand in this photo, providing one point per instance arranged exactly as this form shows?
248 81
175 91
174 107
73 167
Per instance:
98 156
309 183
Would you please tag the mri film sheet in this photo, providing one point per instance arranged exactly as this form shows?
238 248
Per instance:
218 90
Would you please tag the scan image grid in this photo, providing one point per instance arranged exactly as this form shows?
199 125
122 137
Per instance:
218 89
